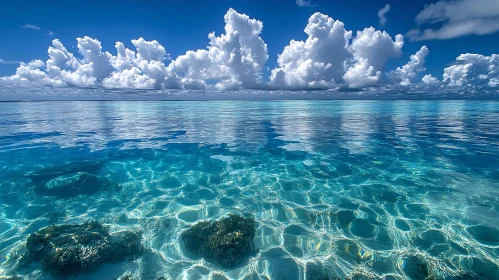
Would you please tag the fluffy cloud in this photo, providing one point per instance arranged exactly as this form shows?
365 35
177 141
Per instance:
473 71
32 73
376 46
362 74
127 72
330 58
469 72
327 58
63 68
129 78
319 60
91 51
234 59
408 73
371 49
143 69
459 18
382 13
430 80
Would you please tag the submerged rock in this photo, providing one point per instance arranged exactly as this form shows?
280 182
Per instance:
416 267
46 174
70 185
68 249
226 242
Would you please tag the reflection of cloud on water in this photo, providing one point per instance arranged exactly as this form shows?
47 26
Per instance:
295 124
450 120
130 124
371 203
401 117
66 126
356 125
205 126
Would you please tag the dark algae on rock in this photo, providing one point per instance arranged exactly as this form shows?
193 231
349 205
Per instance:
68 249
226 242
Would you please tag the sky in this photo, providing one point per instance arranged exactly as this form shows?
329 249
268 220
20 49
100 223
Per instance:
234 45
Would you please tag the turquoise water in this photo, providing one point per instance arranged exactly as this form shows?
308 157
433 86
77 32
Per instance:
339 189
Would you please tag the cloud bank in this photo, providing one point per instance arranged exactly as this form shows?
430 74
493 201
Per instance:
331 58
457 18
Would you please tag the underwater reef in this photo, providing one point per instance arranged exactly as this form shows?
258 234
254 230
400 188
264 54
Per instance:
69 249
70 185
45 174
226 242
67 180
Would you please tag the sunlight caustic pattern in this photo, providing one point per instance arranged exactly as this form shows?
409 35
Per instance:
338 189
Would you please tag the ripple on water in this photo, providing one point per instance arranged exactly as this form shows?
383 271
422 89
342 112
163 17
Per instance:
318 270
5 228
189 215
484 234
402 225
362 228
348 190
227 202
429 238
284 269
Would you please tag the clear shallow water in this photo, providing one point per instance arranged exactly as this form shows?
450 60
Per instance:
339 189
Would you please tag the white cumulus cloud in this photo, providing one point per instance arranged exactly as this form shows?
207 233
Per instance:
361 74
330 58
376 46
63 68
473 71
33 73
233 60
91 51
430 80
319 60
457 18
408 73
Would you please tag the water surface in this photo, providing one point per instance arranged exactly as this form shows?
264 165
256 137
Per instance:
339 189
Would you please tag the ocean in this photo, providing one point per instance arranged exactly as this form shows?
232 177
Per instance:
337 189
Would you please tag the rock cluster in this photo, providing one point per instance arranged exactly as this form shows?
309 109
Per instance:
68 249
226 242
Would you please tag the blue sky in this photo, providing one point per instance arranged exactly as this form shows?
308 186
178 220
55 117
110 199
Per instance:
180 26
